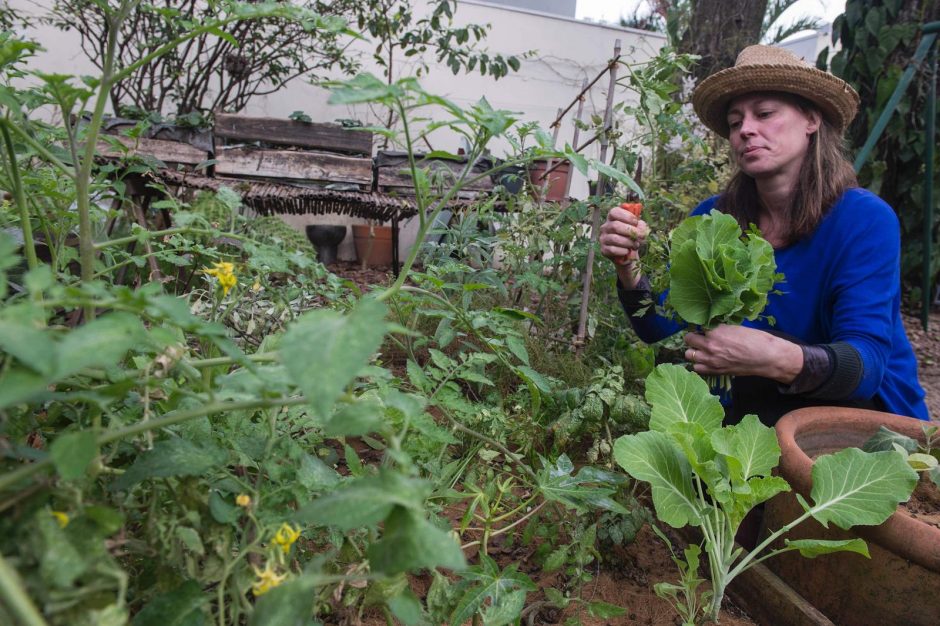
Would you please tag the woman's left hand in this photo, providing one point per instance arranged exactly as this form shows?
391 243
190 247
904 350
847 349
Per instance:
741 351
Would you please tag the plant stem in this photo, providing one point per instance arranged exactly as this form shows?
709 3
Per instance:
20 198
16 598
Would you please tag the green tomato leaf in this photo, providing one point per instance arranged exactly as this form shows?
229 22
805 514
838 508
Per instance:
324 350
72 452
410 542
366 501
288 604
171 457
180 607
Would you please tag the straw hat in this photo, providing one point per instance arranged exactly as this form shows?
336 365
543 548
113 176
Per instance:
768 68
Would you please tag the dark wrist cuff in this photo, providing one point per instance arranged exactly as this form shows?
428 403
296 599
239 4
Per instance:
838 381
633 300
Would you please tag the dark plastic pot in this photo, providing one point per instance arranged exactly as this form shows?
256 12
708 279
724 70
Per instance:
326 239
900 583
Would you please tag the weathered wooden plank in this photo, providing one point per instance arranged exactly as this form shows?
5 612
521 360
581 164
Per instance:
317 136
166 151
396 176
293 164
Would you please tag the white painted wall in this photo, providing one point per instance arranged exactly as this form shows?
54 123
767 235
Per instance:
566 52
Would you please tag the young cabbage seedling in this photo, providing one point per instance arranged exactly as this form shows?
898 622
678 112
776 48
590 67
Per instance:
708 475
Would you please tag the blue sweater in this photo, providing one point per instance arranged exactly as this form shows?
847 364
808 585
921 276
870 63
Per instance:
842 285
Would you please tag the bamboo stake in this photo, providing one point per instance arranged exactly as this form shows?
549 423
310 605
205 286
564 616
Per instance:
596 217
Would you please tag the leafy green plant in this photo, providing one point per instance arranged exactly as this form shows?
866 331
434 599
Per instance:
716 275
709 476
922 457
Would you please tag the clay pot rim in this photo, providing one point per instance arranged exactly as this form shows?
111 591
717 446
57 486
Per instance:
901 534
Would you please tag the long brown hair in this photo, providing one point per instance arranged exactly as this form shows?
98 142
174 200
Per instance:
824 176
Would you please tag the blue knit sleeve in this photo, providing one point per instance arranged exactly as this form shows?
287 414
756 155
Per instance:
865 283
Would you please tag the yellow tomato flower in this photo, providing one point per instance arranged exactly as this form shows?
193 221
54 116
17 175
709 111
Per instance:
268 579
285 536
225 273
243 499
257 286
61 517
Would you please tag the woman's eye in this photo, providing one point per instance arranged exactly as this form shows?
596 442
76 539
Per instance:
734 123
763 114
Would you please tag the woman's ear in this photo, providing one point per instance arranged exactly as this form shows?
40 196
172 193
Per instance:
814 121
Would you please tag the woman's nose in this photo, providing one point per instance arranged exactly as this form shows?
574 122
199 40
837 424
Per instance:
746 128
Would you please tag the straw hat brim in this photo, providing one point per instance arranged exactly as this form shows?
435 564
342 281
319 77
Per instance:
834 97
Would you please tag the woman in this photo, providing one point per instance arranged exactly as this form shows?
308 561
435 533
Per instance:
838 337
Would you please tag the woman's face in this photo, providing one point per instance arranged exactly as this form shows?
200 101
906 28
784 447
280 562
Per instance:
770 134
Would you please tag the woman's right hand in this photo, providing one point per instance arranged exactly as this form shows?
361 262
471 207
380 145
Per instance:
621 237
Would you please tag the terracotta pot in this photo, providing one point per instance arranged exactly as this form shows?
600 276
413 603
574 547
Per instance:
900 583
554 187
373 244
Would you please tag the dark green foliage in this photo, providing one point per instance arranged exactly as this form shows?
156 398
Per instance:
878 39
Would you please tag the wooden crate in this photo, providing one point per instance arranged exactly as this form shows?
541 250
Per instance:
234 129
393 173
170 152
294 165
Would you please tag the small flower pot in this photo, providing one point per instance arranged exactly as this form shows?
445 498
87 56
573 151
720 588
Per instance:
373 244
549 187
900 583
326 239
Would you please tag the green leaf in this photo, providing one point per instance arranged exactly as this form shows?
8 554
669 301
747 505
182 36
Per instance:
505 609
604 610
852 487
653 457
811 548
315 475
885 439
366 501
410 542
355 419
750 448
715 275
530 375
72 452
180 607
490 584
324 350
288 604
556 598
171 457
222 511
60 560
590 488
98 343
29 345
678 395
407 608
517 346
617 175
556 559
